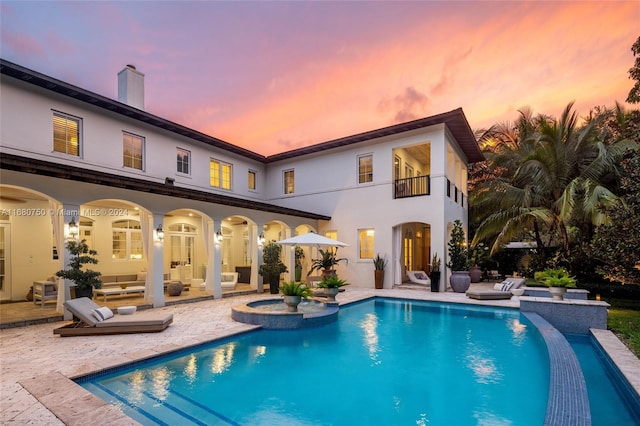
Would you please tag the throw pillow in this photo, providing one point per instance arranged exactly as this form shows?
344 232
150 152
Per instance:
103 313
421 276
227 278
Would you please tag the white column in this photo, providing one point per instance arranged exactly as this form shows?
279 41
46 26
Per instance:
208 234
155 265
256 257
68 212
217 259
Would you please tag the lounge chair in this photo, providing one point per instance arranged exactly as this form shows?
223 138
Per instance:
500 291
419 277
83 308
229 280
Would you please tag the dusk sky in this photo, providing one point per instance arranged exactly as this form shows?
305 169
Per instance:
274 76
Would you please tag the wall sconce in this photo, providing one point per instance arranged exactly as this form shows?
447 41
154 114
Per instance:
160 233
218 237
73 228
261 240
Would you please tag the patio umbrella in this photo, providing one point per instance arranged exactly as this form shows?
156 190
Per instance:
311 239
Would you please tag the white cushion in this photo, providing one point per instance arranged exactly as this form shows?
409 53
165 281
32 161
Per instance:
142 276
227 278
103 313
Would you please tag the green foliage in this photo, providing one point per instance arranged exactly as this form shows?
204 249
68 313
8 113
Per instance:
435 263
326 261
558 277
272 265
634 74
616 244
293 288
299 256
332 282
379 262
81 255
625 323
458 253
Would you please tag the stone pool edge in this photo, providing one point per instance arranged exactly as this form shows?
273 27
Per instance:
46 388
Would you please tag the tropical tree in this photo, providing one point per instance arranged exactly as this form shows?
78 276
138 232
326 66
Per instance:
634 74
615 244
550 175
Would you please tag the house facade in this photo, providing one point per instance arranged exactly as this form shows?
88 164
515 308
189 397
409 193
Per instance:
151 195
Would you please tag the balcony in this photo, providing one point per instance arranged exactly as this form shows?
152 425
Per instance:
412 187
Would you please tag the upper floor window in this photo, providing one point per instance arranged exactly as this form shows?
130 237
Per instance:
289 183
220 174
126 239
365 243
365 168
252 180
184 160
132 151
66 133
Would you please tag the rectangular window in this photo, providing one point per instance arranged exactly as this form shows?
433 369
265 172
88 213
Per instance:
66 134
220 174
365 168
408 171
366 243
289 182
132 150
252 185
184 159
126 237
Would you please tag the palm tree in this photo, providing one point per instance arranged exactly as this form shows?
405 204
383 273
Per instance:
553 174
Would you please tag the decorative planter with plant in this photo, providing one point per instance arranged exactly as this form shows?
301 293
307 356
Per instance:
326 262
85 279
293 293
434 273
331 286
458 259
379 264
299 254
272 267
558 280
478 255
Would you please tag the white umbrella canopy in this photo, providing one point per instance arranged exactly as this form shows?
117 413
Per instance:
311 239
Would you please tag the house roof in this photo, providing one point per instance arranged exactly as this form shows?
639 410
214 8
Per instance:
61 171
455 120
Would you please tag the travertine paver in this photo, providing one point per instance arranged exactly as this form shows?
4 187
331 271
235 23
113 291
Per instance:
35 365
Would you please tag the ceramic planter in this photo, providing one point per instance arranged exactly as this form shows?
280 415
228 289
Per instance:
557 293
379 279
84 292
174 288
476 274
292 302
331 293
435 281
460 281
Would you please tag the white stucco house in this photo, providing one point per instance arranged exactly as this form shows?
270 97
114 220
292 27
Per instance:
122 174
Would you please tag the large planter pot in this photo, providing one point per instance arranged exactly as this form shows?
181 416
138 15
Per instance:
326 273
331 293
274 284
83 292
460 281
174 288
476 274
557 293
435 281
379 279
292 302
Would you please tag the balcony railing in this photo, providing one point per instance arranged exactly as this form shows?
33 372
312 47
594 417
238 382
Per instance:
412 187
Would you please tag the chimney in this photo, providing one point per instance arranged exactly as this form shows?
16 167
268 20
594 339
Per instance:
131 87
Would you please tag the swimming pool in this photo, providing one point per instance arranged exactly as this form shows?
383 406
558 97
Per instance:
384 362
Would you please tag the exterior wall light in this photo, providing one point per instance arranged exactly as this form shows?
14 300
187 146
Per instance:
160 233
218 237
261 240
73 228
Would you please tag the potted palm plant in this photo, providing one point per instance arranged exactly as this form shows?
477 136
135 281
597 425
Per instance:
434 273
331 286
558 280
293 293
326 262
85 279
458 259
272 267
299 254
379 264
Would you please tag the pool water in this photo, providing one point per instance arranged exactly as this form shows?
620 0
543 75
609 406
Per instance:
383 362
